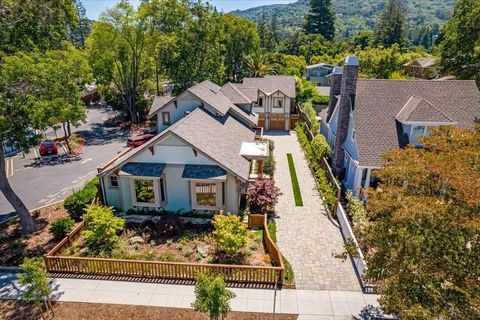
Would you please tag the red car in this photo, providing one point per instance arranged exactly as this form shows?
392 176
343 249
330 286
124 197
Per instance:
139 140
48 147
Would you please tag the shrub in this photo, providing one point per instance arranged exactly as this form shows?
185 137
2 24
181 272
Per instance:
322 100
198 257
230 233
61 227
212 296
101 228
357 212
312 116
326 189
167 256
269 164
320 149
187 252
35 278
78 201
262 194
168 226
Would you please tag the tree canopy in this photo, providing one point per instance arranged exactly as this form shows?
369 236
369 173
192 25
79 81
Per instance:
424 227
321 19
390 28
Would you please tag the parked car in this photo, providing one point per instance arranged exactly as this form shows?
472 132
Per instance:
48 147
136 141
150 131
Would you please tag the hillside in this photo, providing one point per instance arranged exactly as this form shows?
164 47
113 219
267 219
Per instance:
352 18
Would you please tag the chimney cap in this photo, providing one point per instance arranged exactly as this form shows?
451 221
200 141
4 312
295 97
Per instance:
337 70
351 61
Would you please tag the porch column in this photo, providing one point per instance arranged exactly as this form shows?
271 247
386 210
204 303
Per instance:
260 168
367 180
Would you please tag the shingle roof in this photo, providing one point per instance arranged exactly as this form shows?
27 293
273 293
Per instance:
158 103
210 93
250 92
235 95
219 138
423 62
378 102
419 109
270 84
326 65
203 172
142 169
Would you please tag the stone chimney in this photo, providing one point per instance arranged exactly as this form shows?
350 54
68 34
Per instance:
347 101
335 86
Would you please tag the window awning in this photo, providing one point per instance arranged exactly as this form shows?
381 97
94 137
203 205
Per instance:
203 172
141 169
257 150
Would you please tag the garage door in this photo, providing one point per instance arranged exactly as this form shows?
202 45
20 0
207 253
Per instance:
261 122
277 123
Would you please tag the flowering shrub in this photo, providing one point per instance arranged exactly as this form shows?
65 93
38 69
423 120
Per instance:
230 233
262 194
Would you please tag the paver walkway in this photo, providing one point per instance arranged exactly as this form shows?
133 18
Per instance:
306 237
310 304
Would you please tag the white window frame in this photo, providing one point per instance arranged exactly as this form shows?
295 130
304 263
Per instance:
110 185
164 122
156 190
219 195
420 134
280 100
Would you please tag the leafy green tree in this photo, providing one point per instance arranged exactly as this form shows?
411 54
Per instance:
305 90
321 19
230 233
212 296
390 28
80 32
240 40
257 65
460 48
35 278
101 228
117 53
424 226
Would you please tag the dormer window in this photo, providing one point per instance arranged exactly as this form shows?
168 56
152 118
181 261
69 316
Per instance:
353 135
260 102
418 130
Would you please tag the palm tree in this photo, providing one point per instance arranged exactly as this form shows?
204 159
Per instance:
258 66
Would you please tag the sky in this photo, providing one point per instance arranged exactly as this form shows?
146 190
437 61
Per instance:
95 7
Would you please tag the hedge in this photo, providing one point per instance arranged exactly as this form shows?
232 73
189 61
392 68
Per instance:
78 201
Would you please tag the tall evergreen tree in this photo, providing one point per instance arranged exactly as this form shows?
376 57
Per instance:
80 32
321 19
390 27
262 29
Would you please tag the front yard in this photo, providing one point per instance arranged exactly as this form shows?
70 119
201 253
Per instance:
177 239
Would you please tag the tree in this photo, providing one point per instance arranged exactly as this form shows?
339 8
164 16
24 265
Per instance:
262 194
80 32
460 48
101 228
117 47
321 19
390 28
230 233
25 25
424 226
212 296
240 40
35 278
306 91
256 65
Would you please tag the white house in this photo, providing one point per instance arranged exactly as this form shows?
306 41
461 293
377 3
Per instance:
319 73
200 160
366 118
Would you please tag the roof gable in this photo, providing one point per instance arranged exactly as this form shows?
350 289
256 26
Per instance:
420 110
270 84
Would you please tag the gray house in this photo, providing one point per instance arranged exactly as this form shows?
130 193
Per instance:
366 118
319 73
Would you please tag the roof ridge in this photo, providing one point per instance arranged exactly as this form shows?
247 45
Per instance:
238 91
438 110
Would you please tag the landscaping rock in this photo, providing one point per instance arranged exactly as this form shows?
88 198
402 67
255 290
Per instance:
136 240
203 249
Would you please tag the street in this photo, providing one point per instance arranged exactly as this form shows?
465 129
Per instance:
40 182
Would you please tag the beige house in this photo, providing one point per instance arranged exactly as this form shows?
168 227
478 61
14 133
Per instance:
423 68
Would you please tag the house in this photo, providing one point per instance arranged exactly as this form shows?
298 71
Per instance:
264 102
200 160
319 73
366 118
423 68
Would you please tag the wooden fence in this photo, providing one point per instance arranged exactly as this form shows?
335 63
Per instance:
271 275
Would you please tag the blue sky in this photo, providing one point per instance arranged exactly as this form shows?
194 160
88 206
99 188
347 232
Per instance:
95 7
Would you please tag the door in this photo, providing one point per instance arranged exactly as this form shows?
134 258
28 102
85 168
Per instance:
277 123
261 122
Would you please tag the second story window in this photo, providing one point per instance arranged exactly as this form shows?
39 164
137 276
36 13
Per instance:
166 118
277 102
260 102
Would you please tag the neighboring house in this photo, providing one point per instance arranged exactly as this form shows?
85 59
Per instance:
423 68
319 73
366 118
200 160
8 147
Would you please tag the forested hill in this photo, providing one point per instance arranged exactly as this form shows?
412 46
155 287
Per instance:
355 16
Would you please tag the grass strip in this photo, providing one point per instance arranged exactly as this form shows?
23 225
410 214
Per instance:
293 177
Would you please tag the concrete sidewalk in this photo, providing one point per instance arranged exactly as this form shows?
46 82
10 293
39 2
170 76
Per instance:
310 304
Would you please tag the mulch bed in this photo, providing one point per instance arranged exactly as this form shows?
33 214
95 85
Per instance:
16 310
14 247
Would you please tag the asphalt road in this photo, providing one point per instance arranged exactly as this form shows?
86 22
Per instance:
40 182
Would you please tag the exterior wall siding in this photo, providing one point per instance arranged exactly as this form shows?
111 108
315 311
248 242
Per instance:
351 144
184 104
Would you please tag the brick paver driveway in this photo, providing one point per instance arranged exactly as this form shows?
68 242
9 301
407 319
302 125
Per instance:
306 237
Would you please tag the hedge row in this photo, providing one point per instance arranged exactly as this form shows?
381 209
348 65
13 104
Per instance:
78 201
315 151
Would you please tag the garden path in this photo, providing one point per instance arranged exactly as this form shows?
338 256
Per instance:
305 235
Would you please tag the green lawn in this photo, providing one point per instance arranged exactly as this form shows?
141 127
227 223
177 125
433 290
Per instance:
293 177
